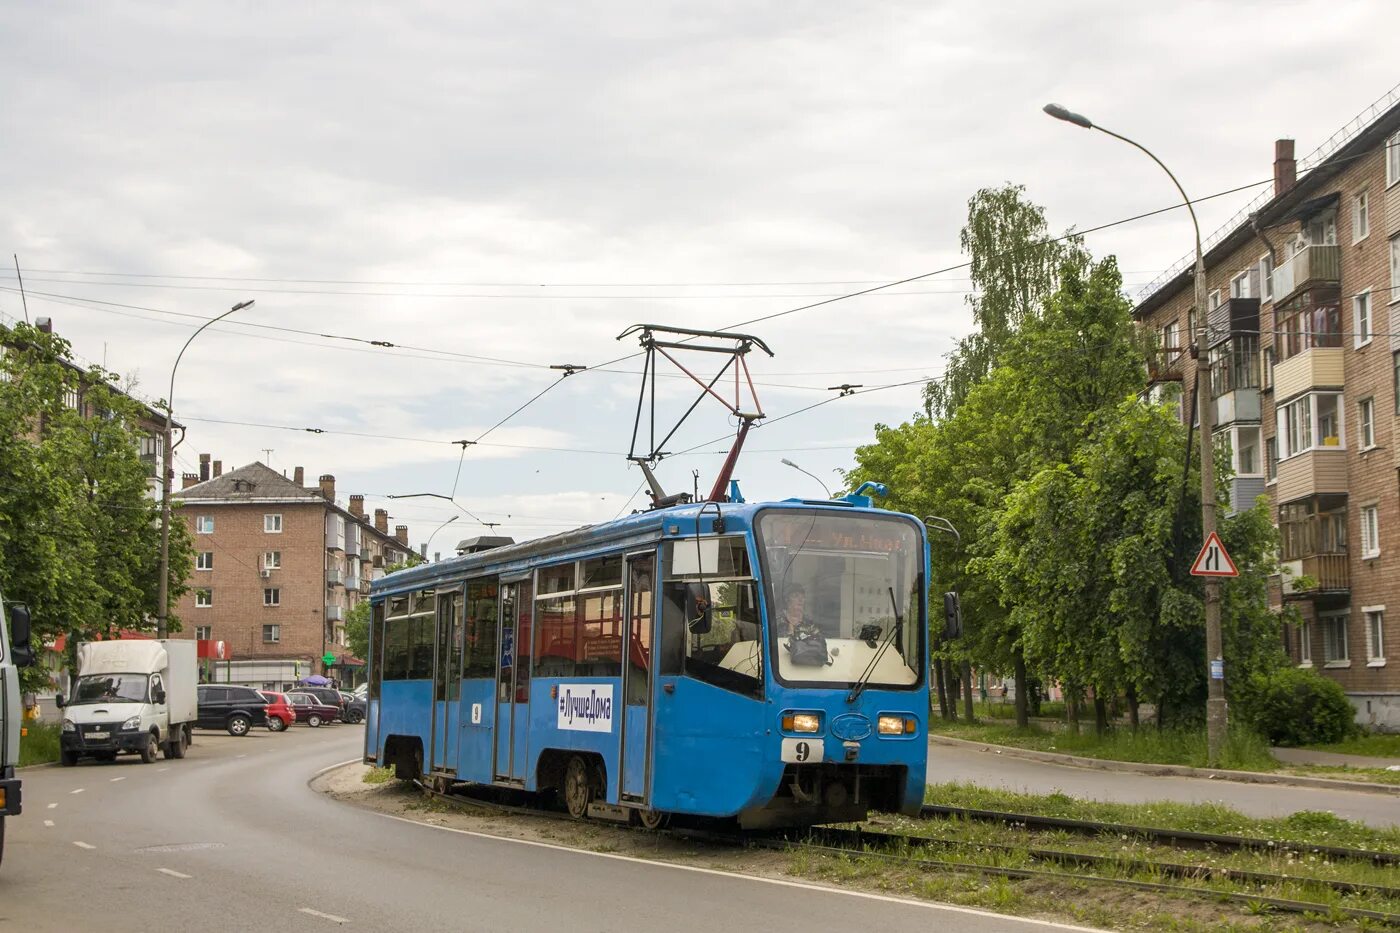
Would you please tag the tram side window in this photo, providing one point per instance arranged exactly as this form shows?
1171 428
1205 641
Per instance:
397 640
376 649
557 620
450 679
578 617
483 604
422 629
710 627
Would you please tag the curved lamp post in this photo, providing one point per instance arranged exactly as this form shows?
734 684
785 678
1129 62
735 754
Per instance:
1217 715
428 547
163 593
814 476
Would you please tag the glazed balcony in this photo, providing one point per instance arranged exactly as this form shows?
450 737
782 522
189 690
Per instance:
335 577
1312 265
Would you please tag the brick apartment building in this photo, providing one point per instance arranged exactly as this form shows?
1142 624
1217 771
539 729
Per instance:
277 567
1305 377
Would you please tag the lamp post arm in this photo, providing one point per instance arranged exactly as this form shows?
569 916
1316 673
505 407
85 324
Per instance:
1182 191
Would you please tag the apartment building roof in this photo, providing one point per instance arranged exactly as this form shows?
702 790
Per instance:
1294 201
255 482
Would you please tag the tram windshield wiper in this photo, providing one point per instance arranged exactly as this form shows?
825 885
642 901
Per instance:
869 671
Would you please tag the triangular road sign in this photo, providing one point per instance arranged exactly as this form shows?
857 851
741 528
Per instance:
1214 560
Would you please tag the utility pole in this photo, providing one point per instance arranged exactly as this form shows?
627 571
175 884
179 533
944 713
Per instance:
1217 713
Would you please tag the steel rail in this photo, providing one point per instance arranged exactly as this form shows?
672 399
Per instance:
1181 838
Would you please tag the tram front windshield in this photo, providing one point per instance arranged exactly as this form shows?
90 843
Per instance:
843 597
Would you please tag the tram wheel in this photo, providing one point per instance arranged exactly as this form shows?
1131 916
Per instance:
578 787
653 819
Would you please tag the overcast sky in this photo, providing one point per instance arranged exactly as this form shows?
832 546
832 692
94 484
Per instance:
522 182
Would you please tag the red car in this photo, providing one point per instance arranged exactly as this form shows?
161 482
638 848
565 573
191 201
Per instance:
312 710
280 714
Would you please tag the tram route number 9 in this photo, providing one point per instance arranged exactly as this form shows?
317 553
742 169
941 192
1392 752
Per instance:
802 751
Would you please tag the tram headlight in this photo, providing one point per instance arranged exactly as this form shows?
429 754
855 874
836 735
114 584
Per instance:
897 725
802 722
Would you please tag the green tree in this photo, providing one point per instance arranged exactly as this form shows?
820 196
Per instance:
357 629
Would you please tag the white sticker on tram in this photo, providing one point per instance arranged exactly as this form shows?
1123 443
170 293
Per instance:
586 707
476 714
802 750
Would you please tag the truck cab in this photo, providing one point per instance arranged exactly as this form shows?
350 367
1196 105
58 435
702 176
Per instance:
15 652
131 696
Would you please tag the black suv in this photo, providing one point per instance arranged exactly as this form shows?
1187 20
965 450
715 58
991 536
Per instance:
236 709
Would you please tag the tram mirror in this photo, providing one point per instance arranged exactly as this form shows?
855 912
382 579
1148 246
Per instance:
952 616
698 608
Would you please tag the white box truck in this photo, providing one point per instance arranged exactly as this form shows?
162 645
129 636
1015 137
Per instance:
136 695
15 653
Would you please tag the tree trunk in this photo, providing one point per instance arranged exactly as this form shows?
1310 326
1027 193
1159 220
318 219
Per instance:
1161 709
1100 714
967 689
947 668
1072 710
1133 708
1023 719
942 688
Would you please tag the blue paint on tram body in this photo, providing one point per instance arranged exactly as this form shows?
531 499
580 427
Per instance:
762 661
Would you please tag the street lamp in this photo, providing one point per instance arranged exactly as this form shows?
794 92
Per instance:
163 593
428 547
1217 714
814 476
438 495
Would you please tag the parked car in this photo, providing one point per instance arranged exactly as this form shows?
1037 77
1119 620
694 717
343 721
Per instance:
280 714
328 695
312 710
354 709
236 709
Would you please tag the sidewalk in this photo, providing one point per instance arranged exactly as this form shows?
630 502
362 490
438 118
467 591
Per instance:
1303 756
1214 774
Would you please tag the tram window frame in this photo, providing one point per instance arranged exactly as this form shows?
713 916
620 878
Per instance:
376 649
482 632
565 658
398 638
680 652
454 627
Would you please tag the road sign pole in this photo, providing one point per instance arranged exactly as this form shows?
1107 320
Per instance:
1217 714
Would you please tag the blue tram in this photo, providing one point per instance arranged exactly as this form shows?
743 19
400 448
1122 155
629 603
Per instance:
763 662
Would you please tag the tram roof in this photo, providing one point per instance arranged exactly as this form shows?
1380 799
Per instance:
633 529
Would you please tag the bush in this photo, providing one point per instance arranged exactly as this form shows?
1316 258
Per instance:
1294 706
38 743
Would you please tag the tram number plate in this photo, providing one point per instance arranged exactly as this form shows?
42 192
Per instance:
801 751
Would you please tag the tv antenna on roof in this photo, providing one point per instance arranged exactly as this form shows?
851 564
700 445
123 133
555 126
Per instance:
669 342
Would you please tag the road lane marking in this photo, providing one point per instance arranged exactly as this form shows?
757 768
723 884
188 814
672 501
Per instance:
173 873
158 770
781 882
116 779
78 791
331 917
83 845
53 806
48 822
240 756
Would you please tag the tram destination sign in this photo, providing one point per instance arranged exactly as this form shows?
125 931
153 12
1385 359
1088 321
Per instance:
586 707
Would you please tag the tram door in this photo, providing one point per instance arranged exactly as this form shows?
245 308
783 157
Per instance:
513 682
636 687
447 680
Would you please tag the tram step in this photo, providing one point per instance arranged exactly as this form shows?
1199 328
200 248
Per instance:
608 811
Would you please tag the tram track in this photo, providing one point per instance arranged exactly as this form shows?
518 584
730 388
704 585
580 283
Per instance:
913 850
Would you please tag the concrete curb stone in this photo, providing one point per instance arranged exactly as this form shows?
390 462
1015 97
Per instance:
1219 774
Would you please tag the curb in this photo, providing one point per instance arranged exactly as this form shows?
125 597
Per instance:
1135 767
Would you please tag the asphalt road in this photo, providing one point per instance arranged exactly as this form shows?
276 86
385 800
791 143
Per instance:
232 838
988 769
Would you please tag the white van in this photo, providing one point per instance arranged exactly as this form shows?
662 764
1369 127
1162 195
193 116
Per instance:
137 696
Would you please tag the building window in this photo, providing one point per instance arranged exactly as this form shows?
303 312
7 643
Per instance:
204 525
203 598
1239 285
1271 459
272 560
1266 276
1322 230
1361 315
204 560
1368 426
1215 299
204 632
1375 634
1305 644
1395 269
272 596
1370 531
1311 422
1247 451
1171 336
1334 637
272 524
1392 160
1313 319
1360 217
1267 377
272 634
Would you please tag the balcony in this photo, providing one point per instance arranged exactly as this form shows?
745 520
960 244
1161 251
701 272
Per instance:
352 539
1243 491
1313 472
352 584
1315 576
335 532
1239 405
335 577
1318 367
1312 265
335 613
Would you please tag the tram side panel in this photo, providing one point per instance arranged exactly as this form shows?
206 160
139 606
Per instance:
708 750
476 730
572 716
405 717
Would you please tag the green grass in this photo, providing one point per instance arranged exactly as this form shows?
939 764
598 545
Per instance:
1303 827
1006 709
1375 744
378 775
1244 751
38 743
